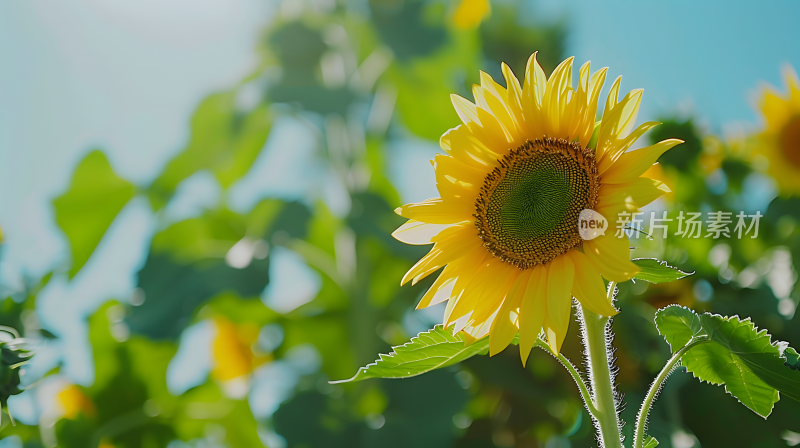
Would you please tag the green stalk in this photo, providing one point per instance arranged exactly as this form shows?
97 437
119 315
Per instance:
641 419
576 376
595 338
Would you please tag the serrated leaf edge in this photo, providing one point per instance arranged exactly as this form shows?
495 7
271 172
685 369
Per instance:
413 340
780 345
655 322
665 264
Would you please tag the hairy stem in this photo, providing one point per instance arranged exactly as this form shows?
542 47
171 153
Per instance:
587 397
595 338
576 376
641 419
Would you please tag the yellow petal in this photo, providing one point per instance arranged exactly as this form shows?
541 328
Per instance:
514 94
532 95
612 210
491 86
418 233
629 111
533 309
614 147
451 188
492 289
464 231
451 303
467 112
554 100
588 287
617 116
640 192
496 107
561 273
578 125
476 332
613 96
451 244
462 172
615 122
505 324
793 82
467 266
773 107
491 134
611 256
633 164
441 290
437 211
590 113
485 289
466 148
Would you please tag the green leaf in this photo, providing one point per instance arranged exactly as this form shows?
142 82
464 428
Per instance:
738 355
718 365
655 271
223 140
775 372
427 351
792 358
650 442
678 325
95 197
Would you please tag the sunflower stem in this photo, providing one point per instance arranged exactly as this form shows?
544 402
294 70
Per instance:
576 376
587 396
596 338
641 419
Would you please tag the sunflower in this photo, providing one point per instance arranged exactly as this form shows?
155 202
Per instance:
233 357
516 174
73 402
780 142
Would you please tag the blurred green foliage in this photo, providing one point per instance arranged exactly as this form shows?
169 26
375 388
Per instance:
223 140
95 197
362 80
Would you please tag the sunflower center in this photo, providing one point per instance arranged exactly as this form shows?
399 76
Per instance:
527 211
790 140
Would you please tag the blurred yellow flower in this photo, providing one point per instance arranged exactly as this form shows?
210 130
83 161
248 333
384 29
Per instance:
74 402
780 142
516 175
233 356
470 13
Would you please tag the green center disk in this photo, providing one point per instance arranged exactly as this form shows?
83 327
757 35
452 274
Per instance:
538 201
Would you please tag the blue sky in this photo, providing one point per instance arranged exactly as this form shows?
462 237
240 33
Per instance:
126 76
711 53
